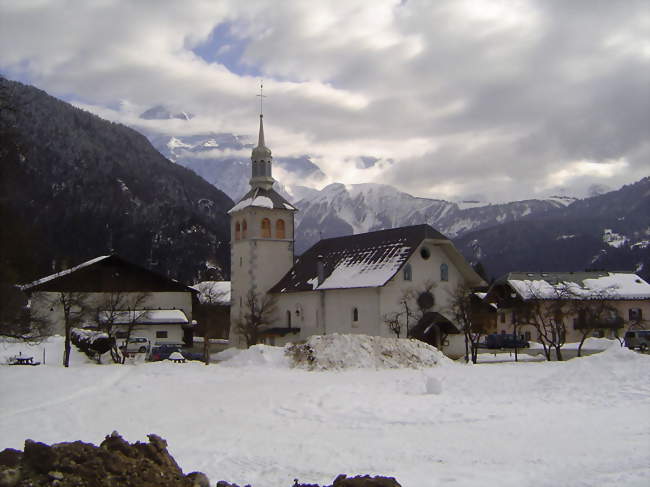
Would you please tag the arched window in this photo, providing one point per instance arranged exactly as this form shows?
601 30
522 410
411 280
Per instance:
288 319
244 228
355 315
237 231
266 228
279 229
444 272
408 272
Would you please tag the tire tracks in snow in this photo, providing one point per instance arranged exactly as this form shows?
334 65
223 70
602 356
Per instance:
109 382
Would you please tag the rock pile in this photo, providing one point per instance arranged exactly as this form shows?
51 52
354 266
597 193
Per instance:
115 463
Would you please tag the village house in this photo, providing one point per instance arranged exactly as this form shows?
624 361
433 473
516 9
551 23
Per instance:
109 290
353 284
597 303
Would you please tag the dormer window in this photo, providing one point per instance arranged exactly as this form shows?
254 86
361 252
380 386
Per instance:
266 228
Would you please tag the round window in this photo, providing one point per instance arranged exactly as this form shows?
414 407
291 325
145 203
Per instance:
425 253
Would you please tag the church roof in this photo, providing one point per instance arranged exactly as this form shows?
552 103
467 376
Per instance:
263 198
355 261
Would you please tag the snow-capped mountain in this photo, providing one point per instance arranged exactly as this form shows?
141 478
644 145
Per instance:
340 209
609 231
224 161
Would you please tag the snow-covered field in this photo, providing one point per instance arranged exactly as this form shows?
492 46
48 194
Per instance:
584 422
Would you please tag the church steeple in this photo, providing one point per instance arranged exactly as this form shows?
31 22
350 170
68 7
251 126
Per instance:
261 176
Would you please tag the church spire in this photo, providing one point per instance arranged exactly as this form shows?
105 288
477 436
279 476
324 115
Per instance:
260 139
261 157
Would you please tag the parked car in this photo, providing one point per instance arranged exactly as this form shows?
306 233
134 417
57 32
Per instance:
638 339
506 340
162 352
137 344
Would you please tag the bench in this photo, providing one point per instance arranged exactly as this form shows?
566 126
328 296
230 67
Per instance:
20 360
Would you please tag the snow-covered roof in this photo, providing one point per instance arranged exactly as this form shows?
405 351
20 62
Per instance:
62 273
578 285
362 260
262 198
107 273
146 317
213 292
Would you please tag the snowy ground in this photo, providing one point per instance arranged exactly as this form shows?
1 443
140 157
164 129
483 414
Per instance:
584 422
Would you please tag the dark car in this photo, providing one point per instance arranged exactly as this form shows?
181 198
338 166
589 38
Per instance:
162 352
638 339
505 340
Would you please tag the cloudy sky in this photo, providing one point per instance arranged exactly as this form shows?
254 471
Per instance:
452 99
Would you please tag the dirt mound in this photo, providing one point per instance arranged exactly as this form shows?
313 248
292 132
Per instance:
115 463
327 352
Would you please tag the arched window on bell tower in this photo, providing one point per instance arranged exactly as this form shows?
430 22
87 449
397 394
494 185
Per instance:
279 229
266 228
237 231
244 228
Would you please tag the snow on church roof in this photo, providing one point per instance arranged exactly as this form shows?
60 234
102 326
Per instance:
362 260
262 198
578 285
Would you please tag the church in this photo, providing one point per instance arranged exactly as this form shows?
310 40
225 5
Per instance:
368 283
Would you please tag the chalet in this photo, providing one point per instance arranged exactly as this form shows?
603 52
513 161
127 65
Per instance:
109 289
353 284
596 302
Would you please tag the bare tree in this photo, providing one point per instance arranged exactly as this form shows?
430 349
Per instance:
133 306
547 311
118 310
394 323
401 319
211 313
258 312
595 312
463 309
75 310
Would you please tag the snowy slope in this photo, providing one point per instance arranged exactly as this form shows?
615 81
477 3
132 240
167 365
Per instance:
579 423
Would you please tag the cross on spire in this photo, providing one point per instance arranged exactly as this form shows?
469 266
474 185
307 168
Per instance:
262 96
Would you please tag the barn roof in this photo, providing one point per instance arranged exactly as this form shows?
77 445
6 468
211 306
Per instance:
577 285
262 198
107 273
362 260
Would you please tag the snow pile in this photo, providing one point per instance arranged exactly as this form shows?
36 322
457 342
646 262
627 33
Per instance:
327 352
257 355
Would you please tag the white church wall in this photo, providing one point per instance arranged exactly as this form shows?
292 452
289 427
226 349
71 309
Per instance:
423 271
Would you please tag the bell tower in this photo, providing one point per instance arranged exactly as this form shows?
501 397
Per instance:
261 238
